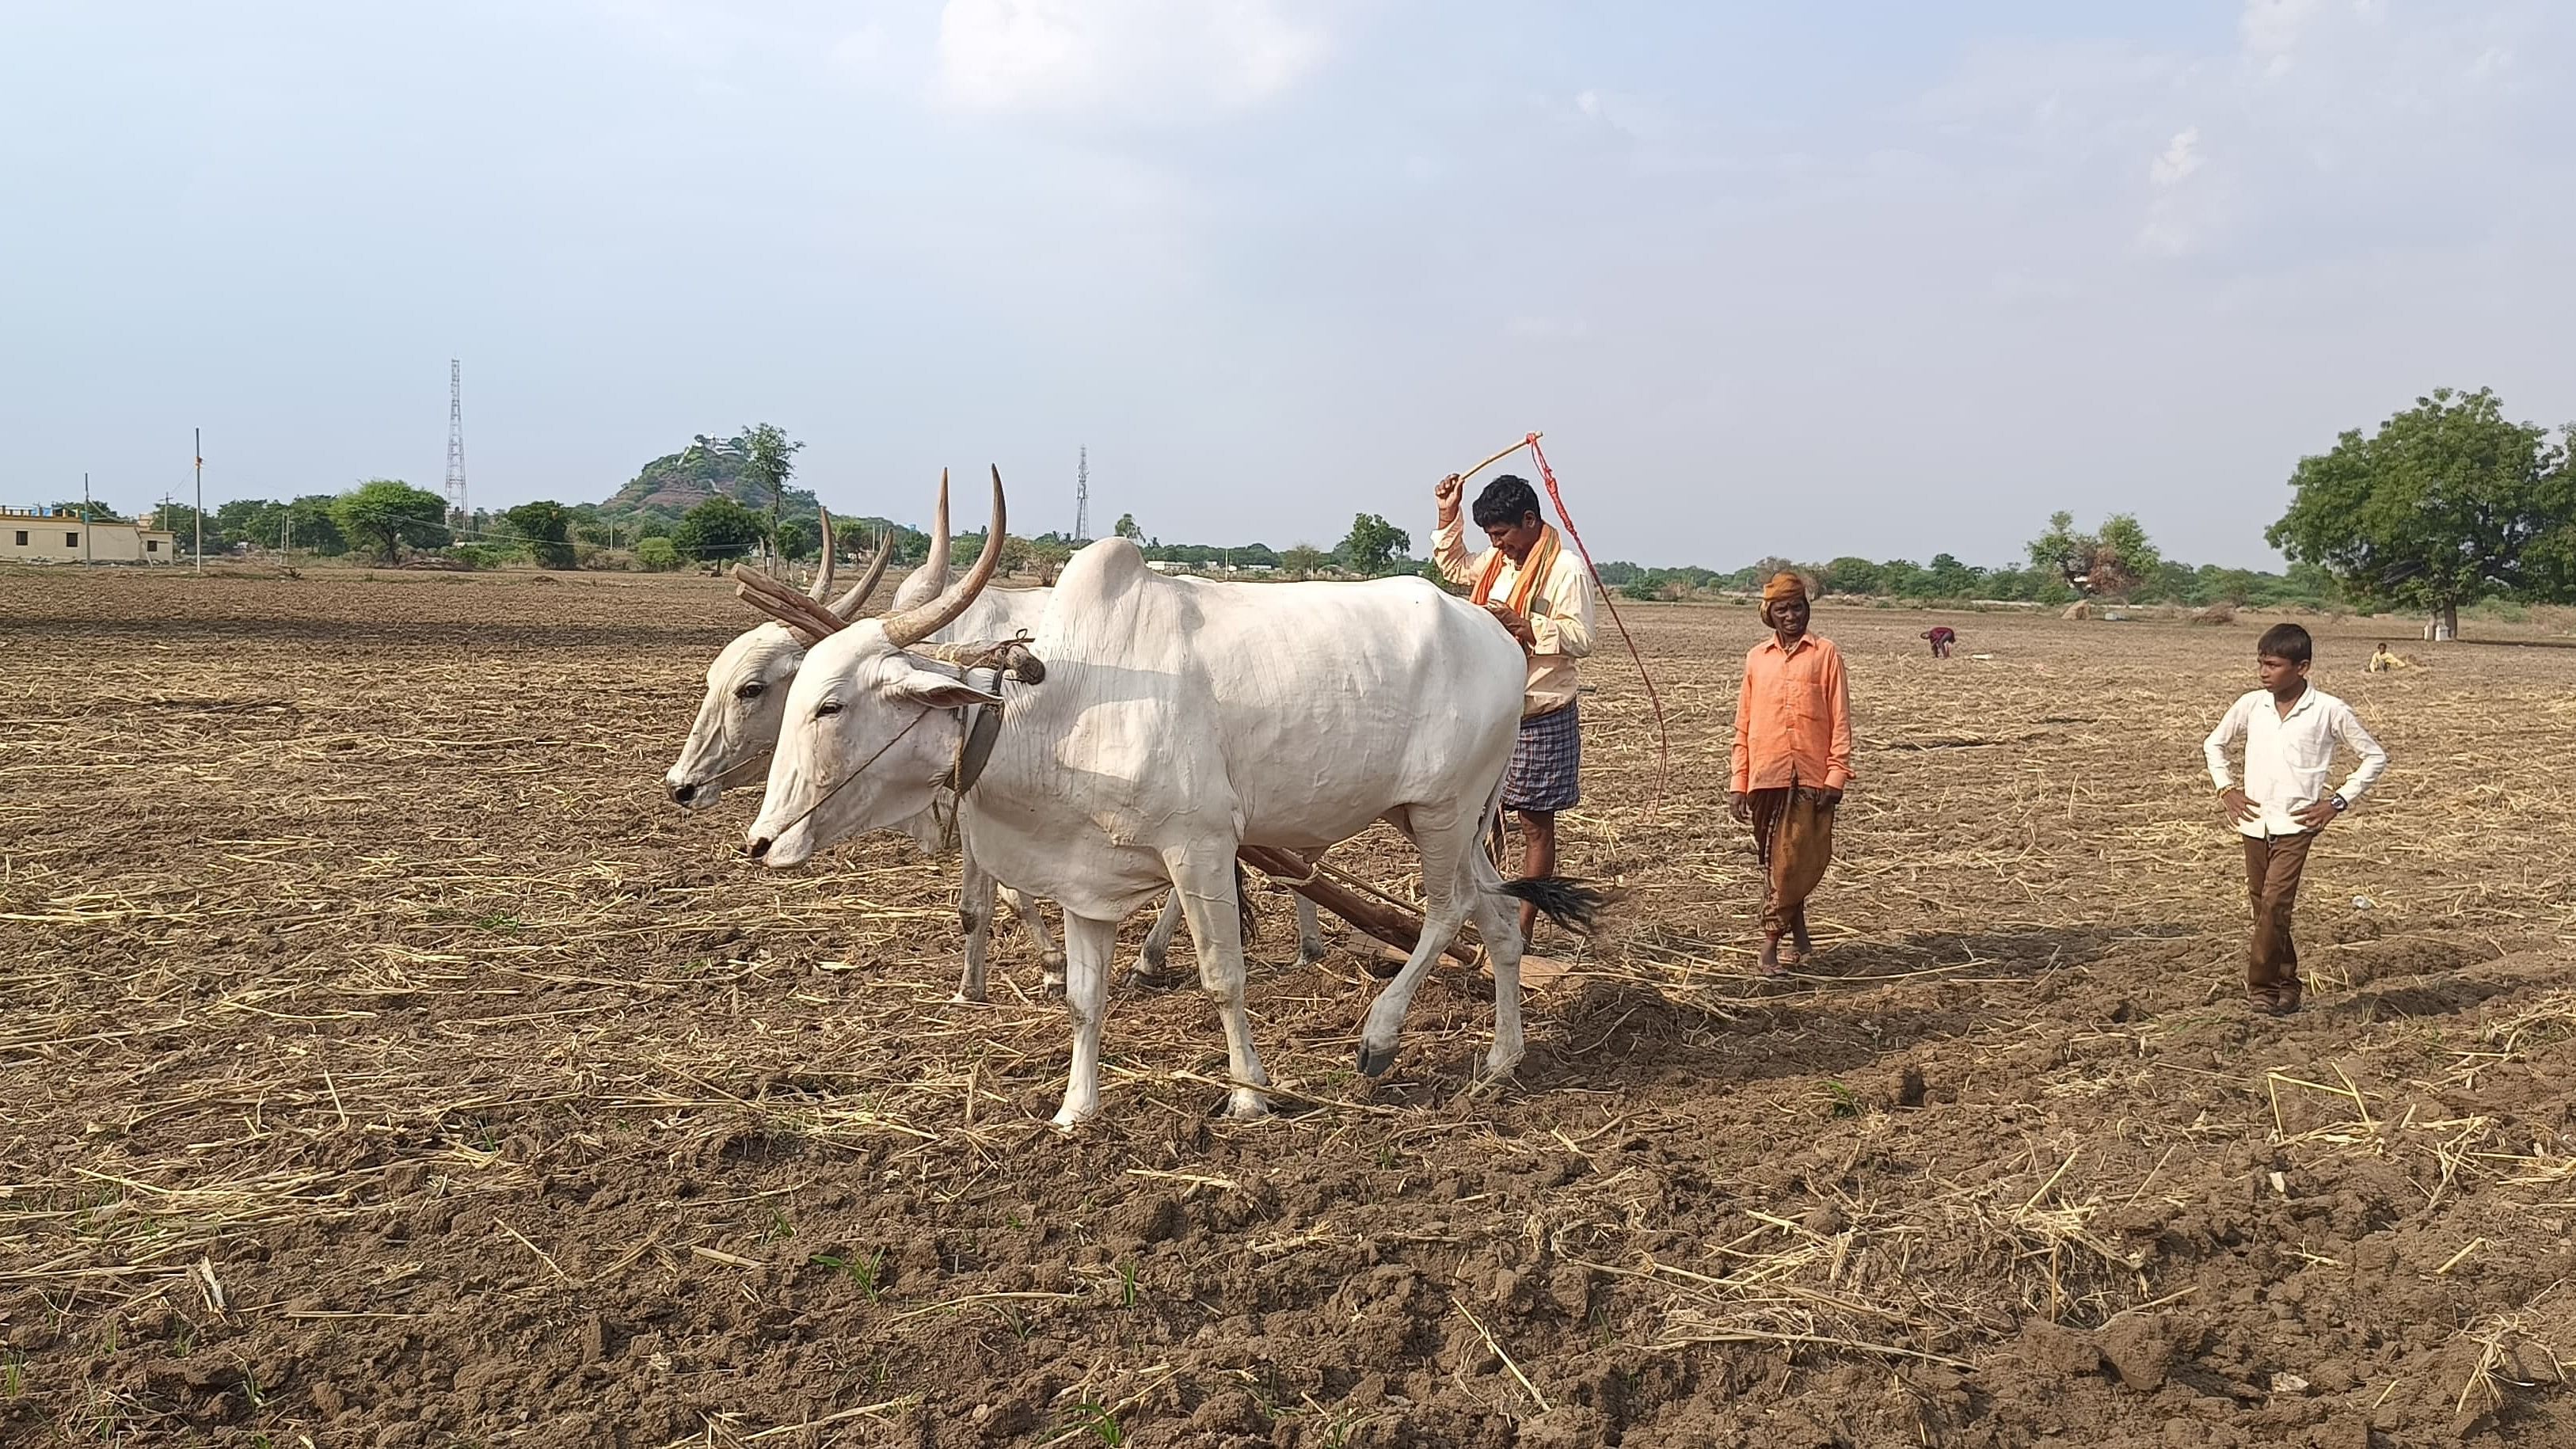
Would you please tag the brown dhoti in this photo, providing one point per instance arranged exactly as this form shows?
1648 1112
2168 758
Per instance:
1793 833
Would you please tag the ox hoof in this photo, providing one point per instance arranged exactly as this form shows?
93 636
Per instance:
1375 1060
967 998
1154 980
1052 989
1315 957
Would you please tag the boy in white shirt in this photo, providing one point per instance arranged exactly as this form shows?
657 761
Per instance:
2289 728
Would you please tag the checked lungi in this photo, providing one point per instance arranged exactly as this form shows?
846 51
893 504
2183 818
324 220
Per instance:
1547 763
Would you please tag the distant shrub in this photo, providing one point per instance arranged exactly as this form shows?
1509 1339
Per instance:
657 555
483 555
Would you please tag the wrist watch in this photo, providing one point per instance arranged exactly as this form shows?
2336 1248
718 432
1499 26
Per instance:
2339 803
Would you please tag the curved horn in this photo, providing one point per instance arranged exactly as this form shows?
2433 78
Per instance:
913 625
935 567
822 588
849 604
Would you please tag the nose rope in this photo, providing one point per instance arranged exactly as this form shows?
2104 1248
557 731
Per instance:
826 797
730 774
736 771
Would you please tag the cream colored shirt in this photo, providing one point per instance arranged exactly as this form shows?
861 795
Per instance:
1560 613
2287 758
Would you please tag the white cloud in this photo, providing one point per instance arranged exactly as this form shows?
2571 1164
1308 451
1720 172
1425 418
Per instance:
2181 158
1144 58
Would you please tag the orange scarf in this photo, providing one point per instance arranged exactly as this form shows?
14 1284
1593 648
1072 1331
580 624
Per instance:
1534 569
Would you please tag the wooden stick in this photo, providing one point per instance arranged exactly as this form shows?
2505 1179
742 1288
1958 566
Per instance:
1498 457
1394 927
787 605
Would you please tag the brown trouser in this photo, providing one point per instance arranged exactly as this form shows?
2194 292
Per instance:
2272 867
1793 833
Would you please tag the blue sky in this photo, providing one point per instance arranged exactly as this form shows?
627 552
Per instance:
1889 279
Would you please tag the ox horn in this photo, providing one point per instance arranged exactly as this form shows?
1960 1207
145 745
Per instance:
911 626
822 588
935 567
848 605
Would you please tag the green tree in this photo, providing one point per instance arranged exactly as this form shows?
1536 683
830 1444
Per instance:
657 554
718 529
310 525
2107 563
94 511
1126 527
1951 579
2172 584
255 521
383 514
797 539
768 457
1048 556
1301 560
2447 503
548 530
2215 585
1851 576
1372 545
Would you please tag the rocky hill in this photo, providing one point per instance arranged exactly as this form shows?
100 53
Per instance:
676 482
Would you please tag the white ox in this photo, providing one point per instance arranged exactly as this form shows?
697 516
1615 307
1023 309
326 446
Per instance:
736 730
1171 724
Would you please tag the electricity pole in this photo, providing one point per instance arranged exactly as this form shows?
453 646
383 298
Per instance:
201 502
85 551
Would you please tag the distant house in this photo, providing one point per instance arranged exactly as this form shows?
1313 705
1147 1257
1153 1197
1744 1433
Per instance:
61 535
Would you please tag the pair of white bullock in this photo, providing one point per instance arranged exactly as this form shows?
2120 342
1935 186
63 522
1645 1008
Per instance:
1155 728
736 731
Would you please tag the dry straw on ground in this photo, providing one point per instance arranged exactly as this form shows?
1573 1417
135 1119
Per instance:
385 1052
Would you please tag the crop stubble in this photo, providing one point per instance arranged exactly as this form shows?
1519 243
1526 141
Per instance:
387 1062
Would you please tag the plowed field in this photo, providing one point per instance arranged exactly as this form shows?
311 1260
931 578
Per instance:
384 1061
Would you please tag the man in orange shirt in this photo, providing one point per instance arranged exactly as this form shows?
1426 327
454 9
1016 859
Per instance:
1793 753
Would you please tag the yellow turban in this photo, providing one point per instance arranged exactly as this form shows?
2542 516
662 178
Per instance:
1784 585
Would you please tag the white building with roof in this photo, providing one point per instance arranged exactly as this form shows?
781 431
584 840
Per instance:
61 535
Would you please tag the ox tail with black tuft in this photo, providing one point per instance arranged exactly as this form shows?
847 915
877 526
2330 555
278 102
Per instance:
1569 903
1243 905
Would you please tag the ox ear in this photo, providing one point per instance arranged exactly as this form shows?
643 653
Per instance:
939 691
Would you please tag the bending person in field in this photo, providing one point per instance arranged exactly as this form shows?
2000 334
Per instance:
1793 760
1541 596
1944 639
2290 728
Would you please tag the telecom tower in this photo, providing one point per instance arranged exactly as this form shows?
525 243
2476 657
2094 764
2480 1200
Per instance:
1082 498
457 516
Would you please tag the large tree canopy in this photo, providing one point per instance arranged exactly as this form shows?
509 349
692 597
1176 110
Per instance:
2110 562
720 530
548 530
1372 544
383 514
2447 503
768 457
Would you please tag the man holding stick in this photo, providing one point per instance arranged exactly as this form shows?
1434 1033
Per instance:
1541 595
